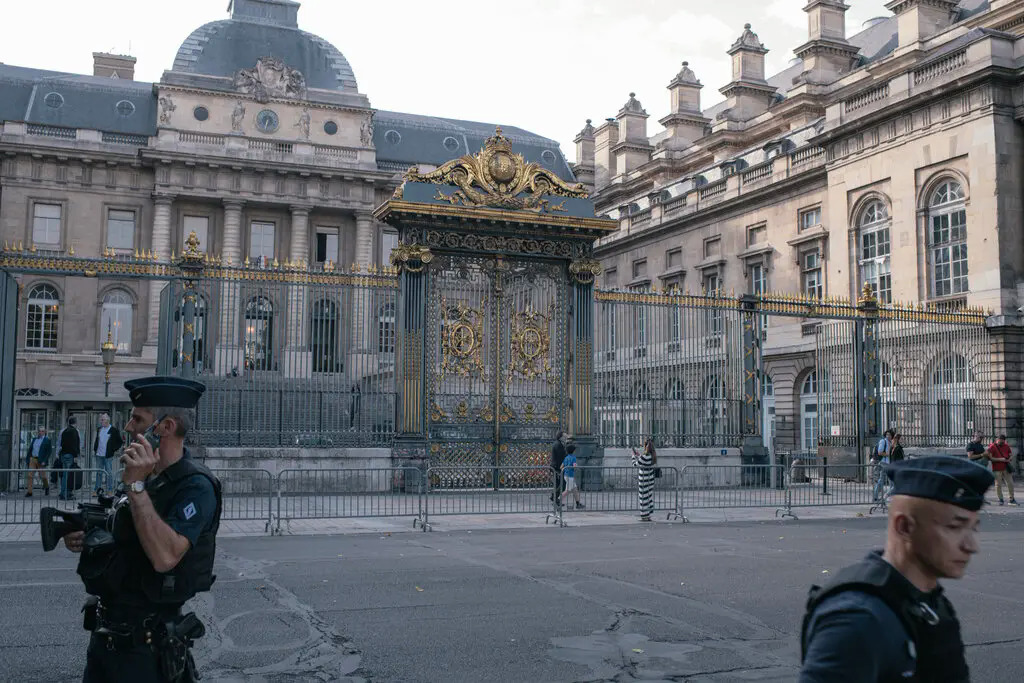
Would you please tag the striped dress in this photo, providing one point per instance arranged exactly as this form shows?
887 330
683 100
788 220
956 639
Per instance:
645 482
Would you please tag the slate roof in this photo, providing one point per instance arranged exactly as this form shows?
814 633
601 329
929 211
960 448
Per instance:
875 42
435 140
84 101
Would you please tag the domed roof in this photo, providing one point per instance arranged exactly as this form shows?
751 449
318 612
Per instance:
264 28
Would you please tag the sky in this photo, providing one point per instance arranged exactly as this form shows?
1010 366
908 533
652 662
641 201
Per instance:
542 65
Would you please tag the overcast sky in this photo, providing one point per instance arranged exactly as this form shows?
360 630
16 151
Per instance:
543 65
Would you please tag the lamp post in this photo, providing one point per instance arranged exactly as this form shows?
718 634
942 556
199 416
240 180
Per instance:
107 350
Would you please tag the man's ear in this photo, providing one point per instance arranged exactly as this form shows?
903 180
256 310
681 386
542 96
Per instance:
904 525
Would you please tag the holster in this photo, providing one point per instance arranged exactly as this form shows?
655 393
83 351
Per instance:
176 662
89 610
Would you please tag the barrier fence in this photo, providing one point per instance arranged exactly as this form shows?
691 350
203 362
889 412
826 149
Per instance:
409 492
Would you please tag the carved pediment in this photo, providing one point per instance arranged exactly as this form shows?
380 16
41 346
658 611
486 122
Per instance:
271 77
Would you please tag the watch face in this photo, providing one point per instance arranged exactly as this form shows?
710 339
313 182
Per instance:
267 121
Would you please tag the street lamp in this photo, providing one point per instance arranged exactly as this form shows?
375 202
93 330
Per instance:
107 350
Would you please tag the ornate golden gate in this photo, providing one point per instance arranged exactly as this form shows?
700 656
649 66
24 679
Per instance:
496 359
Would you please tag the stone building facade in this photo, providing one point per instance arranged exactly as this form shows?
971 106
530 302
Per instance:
893 158
257 138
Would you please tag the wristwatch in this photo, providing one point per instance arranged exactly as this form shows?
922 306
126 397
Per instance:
137 486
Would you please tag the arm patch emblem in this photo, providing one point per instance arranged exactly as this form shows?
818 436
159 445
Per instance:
189 511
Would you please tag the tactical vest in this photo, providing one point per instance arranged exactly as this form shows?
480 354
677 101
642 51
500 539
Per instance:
932 631
119 570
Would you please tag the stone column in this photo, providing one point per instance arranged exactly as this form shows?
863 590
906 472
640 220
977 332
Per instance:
364 239
297 303
161 243
232 242
362 314
227 310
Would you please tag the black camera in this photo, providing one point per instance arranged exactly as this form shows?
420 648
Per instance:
54 524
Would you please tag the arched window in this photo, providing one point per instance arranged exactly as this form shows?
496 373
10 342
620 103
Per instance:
674 390
809 412
116 319
41 318
947 239
641 392
323 336
386 332
259 334
951 397
874 248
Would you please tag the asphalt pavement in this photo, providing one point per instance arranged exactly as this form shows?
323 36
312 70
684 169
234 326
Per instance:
657 601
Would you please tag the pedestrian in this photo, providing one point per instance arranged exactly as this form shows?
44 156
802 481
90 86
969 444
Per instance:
645 463
69 447
1000 455
39 451
105 446
161 550
975 448
886 618
896 452
880 460
558 454
569 476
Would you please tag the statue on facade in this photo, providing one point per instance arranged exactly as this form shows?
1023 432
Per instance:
167 107
271 78
237 116
303 123
366 131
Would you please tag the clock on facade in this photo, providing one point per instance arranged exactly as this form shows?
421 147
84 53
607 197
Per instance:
266 121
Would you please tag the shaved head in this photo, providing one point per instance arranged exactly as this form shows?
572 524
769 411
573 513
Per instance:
929 540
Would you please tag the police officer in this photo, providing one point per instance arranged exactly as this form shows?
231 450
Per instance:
158 549
886 618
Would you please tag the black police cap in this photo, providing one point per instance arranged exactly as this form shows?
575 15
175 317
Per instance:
166 392
947 479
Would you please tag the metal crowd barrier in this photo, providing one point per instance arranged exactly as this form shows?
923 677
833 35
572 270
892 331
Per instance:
343 493
487 490
247 494
618 491
732 486
15 508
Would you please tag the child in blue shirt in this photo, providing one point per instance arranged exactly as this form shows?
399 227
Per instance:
569 476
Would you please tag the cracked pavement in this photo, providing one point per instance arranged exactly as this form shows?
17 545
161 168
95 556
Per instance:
656 602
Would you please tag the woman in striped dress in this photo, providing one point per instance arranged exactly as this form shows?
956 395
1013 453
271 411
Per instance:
645 462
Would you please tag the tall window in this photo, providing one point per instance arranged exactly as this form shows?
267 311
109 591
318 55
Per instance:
116 317
809 413
947 217
46 225
326 245
386 331
712 285
388 241
121 231
323 337
874 240
715 405
259 334
41 318
951 397
758 279
809 218
200 225
261 243
639 323
675 326
810 266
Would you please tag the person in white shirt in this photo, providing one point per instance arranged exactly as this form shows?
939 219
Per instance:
106 444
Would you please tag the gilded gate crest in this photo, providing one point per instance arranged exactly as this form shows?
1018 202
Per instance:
461 340
531 342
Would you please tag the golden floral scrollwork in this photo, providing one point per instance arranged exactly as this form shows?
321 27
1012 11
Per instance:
499 178
531 342
585 270
507 414
437 413
411 257
486 414
552 415
462 410
462 337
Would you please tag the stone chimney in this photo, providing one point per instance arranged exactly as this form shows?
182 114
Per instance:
584 166
106 65
684 123
605 137
633 149
748 95
274 12
921 19
826 54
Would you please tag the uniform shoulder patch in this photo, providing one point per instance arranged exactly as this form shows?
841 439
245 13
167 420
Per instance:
189 511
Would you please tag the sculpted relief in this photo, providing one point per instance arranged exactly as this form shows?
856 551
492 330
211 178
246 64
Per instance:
271 78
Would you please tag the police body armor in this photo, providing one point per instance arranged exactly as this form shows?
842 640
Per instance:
115 567
932 628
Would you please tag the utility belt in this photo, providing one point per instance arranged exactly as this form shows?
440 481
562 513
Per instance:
168 633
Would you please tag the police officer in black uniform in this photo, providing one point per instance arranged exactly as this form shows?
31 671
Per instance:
886 618
159 549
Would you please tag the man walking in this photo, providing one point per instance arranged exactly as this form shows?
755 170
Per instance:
886 618
557 458
999 454
39 452
880 460
69 447
107 443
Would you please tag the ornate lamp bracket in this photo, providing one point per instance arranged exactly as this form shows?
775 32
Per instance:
585 270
